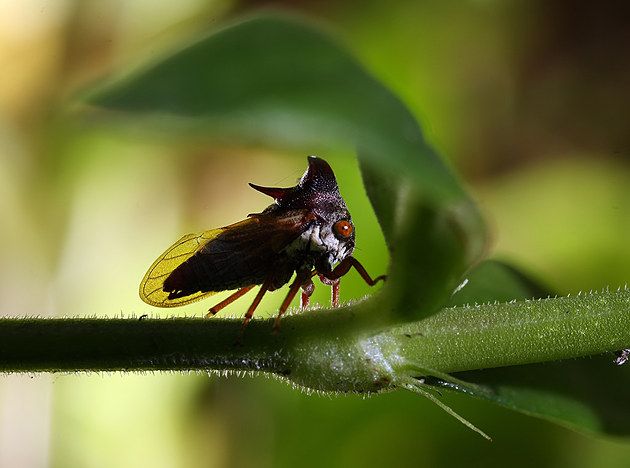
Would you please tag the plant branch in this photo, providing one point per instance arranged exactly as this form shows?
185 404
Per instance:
516 333
333 350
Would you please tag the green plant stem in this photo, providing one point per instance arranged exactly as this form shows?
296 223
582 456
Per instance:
516 333
131 344
327 350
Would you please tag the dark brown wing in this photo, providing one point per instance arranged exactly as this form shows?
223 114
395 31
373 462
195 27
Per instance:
232 257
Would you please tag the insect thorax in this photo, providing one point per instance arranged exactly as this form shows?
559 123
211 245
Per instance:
318 247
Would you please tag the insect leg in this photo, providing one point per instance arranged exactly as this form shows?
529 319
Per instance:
300 279
307 290
334 293
228 300
250 312
345 266
334 288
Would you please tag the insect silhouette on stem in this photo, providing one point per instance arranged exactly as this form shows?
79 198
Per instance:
307 231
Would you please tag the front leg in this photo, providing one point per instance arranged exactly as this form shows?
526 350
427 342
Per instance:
334 289
333 277
345 266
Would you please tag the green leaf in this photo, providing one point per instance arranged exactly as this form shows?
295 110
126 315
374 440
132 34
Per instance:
278 80
586 394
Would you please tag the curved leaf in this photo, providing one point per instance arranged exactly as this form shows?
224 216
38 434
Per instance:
587 394
276 79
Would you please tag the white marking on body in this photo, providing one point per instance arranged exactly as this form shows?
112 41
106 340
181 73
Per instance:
317 240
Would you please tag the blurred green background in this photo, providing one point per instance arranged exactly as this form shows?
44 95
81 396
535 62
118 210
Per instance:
527 100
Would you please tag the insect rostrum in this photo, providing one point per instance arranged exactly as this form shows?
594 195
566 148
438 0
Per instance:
307 231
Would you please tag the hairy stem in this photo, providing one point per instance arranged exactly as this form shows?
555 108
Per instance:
523 332
336 351
131 344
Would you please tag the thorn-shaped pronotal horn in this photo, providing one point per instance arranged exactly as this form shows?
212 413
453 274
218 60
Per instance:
274 192
319 175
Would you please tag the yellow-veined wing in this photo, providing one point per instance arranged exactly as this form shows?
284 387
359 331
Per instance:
151 287
235 256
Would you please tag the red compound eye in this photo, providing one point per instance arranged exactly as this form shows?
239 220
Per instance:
343 228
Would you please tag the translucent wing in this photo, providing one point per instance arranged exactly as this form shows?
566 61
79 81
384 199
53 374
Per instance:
151 287
235 256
